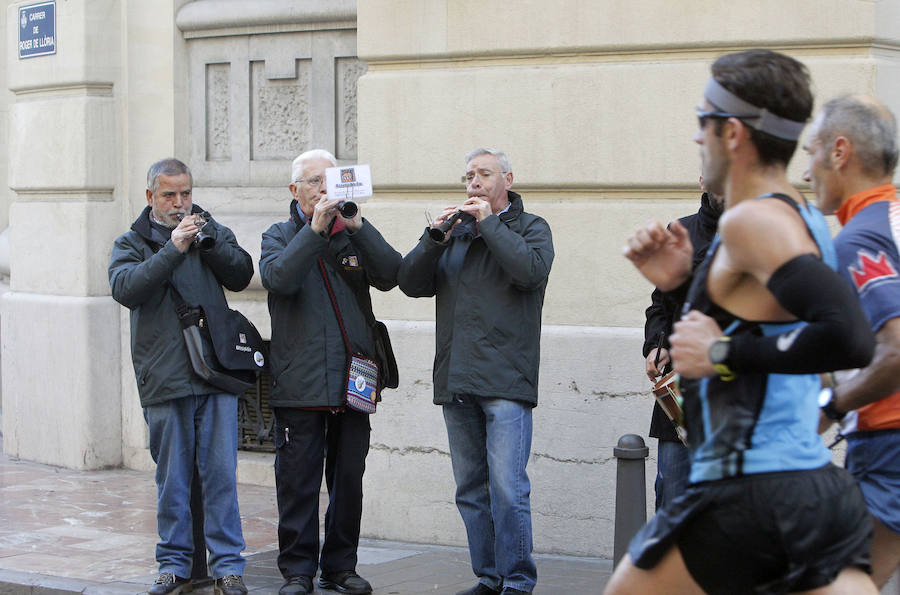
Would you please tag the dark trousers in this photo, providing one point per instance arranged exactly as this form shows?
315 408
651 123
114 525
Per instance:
305 441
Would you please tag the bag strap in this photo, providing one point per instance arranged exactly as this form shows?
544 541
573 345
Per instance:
181 307
365 303
337 311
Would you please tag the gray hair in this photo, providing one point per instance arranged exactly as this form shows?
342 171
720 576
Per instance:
870 126
502 159
166 167
302 158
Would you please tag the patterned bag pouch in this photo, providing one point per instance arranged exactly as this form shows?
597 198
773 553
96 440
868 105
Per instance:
362 373
362 383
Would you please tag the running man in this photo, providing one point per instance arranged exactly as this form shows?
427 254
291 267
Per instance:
852 147
766 511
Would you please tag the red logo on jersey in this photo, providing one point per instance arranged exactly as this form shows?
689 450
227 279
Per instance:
871 270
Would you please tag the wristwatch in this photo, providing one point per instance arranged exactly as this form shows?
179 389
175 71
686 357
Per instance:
718 355
826 404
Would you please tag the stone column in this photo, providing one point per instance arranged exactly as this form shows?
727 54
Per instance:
60 336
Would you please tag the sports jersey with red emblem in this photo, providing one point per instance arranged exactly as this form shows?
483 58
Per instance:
869 258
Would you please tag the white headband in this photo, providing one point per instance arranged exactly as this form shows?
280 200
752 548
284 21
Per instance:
766 121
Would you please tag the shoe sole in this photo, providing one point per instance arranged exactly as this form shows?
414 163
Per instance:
186 588
336 587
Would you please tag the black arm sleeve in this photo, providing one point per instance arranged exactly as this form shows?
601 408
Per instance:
837 337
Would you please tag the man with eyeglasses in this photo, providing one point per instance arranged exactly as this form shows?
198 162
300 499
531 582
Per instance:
766 511
308 362
853 152
489 271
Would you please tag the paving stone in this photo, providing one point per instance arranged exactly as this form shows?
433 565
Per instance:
94 532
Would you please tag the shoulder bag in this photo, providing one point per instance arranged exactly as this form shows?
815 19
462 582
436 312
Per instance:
384 352
224 347
363 379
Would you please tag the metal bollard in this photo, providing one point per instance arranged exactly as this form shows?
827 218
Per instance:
631 491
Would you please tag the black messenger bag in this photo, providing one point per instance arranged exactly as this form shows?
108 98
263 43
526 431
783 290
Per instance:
225 348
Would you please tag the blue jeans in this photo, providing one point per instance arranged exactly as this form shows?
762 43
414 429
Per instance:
673 470
490 441
202 427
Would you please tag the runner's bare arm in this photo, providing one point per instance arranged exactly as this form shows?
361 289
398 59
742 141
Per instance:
663 255
769 256
879 379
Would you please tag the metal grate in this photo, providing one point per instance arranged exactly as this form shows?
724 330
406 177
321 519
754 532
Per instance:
255 420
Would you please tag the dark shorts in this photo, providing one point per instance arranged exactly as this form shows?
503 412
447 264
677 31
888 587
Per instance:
764 533
874 460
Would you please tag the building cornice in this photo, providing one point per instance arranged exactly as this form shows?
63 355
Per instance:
214 18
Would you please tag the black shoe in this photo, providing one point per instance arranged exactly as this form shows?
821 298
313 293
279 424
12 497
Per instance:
169 584
297 585
479 589
231 584
346 581
511 591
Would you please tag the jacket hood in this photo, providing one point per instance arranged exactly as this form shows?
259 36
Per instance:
142 224
515 206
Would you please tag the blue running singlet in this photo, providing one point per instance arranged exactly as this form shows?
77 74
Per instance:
756 422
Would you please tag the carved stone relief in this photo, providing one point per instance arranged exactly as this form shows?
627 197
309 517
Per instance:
348 71
279 113
218 124
258 100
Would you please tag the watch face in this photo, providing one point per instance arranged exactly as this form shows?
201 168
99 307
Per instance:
825 397
718 353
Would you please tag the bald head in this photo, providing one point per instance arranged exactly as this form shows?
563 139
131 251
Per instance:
868 125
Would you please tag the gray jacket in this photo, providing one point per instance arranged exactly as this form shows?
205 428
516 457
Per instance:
490 293
141 273
307 357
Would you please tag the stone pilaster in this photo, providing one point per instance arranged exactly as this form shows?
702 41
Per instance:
60 341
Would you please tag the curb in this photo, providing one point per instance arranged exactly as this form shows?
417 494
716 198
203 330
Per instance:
13 582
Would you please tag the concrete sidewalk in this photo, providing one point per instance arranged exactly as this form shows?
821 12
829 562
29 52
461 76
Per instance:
64 531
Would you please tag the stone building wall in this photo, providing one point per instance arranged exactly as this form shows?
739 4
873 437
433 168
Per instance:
593 101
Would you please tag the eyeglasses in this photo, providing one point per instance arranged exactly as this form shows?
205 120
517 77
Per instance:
484 174
314 181
704 115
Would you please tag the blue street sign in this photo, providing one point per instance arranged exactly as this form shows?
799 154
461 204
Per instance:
37 29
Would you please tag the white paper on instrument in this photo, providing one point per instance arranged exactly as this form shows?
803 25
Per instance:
349 182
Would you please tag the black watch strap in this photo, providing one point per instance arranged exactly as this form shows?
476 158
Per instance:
826 404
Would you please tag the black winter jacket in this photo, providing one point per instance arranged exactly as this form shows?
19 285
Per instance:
141 272
307 357
490 294
665 309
